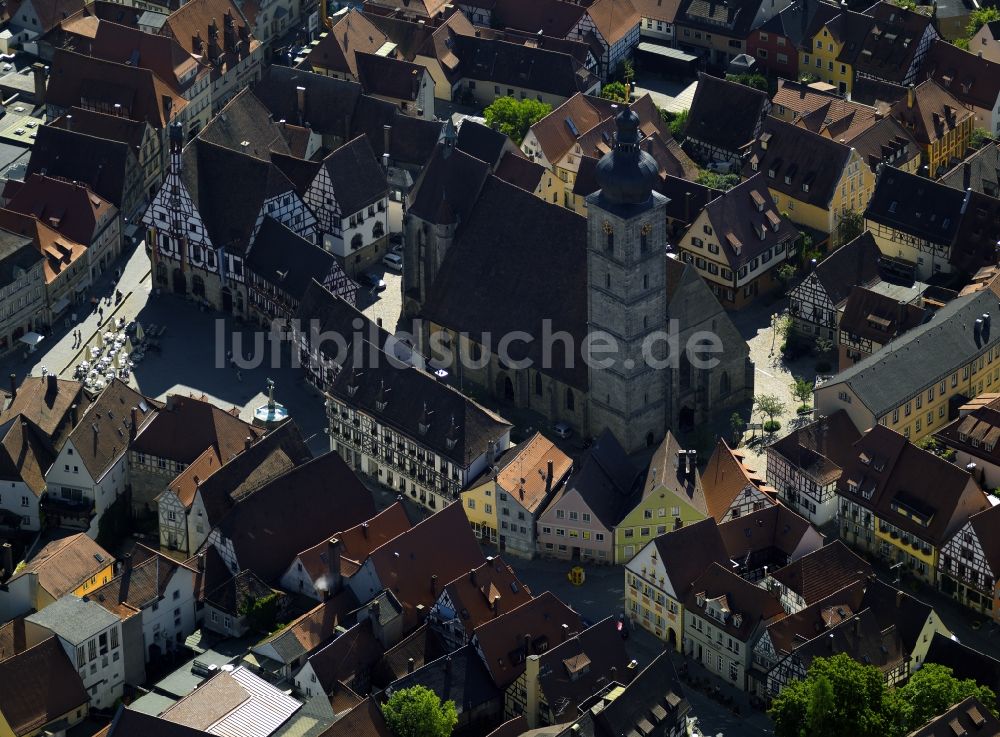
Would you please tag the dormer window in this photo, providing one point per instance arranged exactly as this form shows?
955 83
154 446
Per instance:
700 599
805 187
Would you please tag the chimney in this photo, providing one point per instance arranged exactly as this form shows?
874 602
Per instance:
333 556
965 202
386 138
472 576
364 529
38 74
8 560
986 326
911 96
126 574
899 598
687 208
300 102
532 668
168 105
410 665
447 664
564 630
247 442
548 477
830 641
72 415
527 645
434 583
69 122
978 330
135 424
496 606
13 386
857 626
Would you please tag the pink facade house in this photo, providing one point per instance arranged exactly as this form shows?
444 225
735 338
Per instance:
579 522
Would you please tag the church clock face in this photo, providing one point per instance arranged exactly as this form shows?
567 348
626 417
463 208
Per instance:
608 227
646 229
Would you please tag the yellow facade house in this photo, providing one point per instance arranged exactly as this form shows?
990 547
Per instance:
70 565
831 53
939 122
959 358
814 180
479 503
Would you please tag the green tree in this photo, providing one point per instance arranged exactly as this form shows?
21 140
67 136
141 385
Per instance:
979 18
626 71
850 226
615 91
419 712
723 182
679 124
933 689
737 425
769 406
513 117
802 389
786 272
979 137
838 696
905 4
757 81
262 612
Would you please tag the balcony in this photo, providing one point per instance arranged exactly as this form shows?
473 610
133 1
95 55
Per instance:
72 509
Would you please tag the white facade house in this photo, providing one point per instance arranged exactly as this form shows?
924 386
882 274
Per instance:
91 637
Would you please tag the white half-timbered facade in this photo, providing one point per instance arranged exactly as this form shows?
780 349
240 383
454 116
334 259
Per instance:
813 313
186 259
968 564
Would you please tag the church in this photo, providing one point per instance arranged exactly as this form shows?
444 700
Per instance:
520 265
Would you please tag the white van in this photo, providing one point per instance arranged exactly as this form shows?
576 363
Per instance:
393 261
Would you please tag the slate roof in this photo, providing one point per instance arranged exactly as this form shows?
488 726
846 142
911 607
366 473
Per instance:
414 566
482 142
741 215
185 426
417 405
356 175
300 172
944 343
819 574
794 158
329 102
460 677
73 619
245 125
502 640
543 241
655 694
915 205
229 189
725 114
269 527
517 65
980 172
104 432
100 163
66 563
606 480
286 259
448 187
755 605
40 686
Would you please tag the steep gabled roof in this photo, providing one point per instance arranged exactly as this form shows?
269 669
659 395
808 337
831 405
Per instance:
853 264
100 163
724 478
357 177
65 564
104 432
725 114
744 604
287 260
40 686
485 592
245 125
823 572
687 551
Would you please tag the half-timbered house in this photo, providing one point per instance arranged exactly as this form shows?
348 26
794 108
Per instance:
969 564
206 216
816 302
805 465
350 197
731 488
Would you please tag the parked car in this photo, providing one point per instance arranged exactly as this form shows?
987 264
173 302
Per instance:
721 167
563 430
372 281
393 261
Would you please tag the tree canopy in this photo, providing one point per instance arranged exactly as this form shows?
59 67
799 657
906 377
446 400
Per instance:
614 91
419 712
840 696
514 117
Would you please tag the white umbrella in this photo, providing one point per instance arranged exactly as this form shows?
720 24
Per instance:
139 334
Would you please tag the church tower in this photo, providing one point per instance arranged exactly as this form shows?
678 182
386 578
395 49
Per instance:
626 292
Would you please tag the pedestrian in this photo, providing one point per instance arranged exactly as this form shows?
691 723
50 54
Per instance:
100 313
